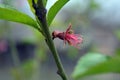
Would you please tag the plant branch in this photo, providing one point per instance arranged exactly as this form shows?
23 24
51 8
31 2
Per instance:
41 15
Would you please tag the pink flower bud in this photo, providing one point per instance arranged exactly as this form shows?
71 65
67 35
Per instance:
69 37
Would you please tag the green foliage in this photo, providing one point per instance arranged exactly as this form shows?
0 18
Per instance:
91 63
16 16
94 5
25 71
112 65
17 74
45 2
85 65
54 10
28 68
30 4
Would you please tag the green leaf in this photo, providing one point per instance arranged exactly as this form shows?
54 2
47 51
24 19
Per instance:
30 4
112 65
16 16
86 65
31 7
54 10
45 2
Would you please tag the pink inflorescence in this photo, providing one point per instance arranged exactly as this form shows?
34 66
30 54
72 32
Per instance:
68 36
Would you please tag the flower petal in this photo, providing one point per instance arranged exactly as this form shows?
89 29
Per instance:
73 39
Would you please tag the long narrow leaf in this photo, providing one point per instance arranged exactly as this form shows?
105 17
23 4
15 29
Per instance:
87 61
55 9
45 2
111 65
16 16
31 6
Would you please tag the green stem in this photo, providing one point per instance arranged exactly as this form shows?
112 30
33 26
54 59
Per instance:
43 24
54 52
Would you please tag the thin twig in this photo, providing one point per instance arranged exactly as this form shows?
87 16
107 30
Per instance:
41 15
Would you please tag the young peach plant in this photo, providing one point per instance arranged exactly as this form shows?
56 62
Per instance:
42 21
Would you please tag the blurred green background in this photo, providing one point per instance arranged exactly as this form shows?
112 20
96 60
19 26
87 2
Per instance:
23 51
